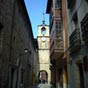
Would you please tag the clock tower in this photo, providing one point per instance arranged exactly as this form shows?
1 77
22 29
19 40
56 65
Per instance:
43 39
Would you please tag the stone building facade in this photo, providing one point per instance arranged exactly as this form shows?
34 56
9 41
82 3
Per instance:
16 45
75 51
59 56
43 39
77 13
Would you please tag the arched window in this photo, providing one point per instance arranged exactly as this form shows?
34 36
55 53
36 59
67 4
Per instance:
43 30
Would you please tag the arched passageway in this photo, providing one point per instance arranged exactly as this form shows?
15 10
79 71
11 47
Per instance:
43 76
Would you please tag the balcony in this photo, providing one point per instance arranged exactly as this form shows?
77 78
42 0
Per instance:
56 45
57 13
84 28
55 52
74 40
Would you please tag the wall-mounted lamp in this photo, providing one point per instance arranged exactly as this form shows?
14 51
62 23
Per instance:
27 51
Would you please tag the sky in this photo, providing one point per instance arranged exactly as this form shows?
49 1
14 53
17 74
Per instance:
35 9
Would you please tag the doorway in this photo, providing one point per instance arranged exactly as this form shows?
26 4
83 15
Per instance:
81 75
43 77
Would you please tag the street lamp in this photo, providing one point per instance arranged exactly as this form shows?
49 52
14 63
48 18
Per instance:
26 51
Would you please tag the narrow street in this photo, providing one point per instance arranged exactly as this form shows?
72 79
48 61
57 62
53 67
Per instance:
42 86
43 43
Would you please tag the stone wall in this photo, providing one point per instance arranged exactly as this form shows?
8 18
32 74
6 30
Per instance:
16 36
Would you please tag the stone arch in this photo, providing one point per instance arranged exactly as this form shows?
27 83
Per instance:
42 76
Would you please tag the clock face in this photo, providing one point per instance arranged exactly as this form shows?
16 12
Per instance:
43 39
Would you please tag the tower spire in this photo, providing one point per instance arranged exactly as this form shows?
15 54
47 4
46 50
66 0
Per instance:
43 20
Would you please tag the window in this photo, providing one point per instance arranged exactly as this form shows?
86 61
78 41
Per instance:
75 21
1 37
58 4
85 62
71 3
58 24
43 31
58 30
22 76
58 27
12 77
1 26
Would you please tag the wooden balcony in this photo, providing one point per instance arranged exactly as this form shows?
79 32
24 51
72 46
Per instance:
74 40
57 13
56 48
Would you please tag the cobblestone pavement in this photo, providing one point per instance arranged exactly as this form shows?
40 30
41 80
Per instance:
42 86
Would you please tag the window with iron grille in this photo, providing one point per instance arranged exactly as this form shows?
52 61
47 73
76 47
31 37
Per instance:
58 4
84 29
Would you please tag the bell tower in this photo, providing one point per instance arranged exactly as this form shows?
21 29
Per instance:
43 39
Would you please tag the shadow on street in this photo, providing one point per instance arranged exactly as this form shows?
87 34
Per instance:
41 85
